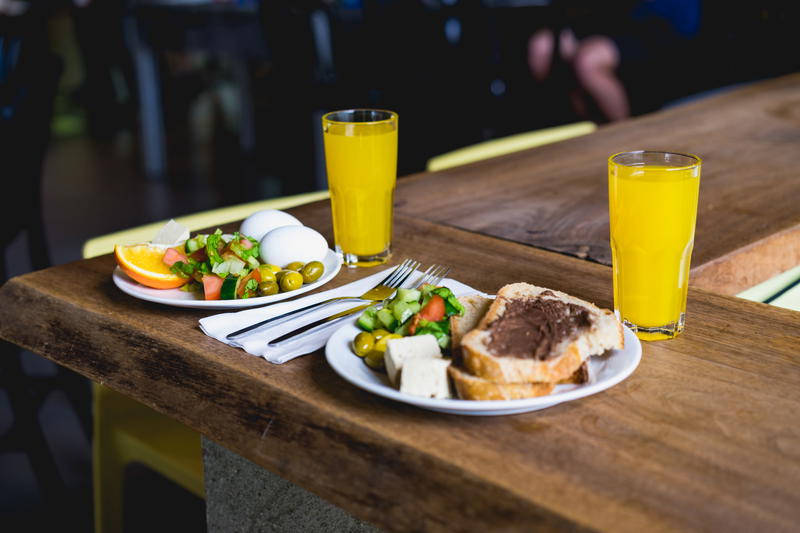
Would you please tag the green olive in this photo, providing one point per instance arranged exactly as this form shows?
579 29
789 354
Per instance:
291 281
312 271
380 344
268 288
363 343
279 275
274 268
295 265
374 360
378 333
266 273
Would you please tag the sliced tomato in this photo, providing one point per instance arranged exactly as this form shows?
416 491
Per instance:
173 255
412 327
243 243
434 310
211 286
254 274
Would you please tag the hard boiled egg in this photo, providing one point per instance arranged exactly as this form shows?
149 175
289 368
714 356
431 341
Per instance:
262 222
288 244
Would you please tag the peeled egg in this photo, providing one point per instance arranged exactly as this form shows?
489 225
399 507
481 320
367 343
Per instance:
262 222
288 244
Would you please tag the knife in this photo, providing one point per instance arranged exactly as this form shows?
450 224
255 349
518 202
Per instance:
317 325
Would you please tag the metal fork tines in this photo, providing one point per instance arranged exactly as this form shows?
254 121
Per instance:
433 276
382 290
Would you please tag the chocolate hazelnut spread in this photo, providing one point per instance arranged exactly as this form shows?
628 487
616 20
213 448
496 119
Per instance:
530 328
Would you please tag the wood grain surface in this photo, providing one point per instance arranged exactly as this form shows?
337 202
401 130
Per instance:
704 436
555 197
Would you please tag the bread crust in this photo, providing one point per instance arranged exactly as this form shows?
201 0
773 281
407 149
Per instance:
604 333
470 387
580 376
475 307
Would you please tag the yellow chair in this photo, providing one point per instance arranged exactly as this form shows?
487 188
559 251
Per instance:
782 290
105 243
125 431
507 145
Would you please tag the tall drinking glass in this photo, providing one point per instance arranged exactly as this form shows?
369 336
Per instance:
361 159
652 198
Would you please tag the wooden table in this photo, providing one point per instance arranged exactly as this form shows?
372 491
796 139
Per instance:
555 197
705 435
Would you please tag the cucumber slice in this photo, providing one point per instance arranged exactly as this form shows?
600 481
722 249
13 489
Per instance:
368 320
228 290
407 295
386 318
192 245
402 311
403 329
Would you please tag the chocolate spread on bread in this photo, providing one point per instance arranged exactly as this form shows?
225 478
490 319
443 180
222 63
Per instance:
530 328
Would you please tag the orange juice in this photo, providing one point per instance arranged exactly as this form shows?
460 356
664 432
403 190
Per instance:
652 208
361 160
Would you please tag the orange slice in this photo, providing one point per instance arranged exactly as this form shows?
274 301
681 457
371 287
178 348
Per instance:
144 263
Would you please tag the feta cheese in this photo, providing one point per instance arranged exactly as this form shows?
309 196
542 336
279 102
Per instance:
400 350
171 233
426 377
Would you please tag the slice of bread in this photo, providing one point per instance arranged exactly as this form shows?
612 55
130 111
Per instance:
580 376
586 330
475 306
471 387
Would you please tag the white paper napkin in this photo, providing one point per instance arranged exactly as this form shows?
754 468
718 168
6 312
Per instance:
257 341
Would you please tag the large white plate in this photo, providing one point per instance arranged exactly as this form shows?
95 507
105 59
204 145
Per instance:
179 298
606 371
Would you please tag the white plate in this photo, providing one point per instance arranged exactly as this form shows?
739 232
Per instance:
606 371
179 298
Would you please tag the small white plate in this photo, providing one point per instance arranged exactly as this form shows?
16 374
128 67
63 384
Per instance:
606 371
179 298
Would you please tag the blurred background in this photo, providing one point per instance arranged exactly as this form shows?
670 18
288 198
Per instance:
118 113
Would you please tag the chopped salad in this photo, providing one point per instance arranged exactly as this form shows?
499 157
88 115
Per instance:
422 311
227 267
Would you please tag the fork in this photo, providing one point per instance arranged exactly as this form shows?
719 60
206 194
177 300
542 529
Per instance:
433 275
381 291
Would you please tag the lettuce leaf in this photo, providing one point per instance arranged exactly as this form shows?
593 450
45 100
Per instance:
451 304
212 247
440 330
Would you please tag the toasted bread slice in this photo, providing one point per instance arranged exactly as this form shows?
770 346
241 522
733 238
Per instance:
475 306
580 376
532 334
471 387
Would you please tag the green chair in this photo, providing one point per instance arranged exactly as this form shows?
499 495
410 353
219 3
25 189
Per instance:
125 431
507 145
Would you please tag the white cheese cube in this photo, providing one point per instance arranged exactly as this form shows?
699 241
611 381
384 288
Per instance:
400 350
171 233
426 377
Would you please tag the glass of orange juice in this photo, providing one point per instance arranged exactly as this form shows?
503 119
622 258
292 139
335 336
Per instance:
361 160
652 200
